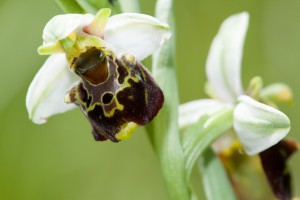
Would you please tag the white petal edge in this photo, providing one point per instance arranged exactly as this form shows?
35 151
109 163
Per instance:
60 26
223 65
259 126
45 96
137 34
191 112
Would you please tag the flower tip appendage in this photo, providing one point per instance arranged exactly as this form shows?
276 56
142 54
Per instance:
98 69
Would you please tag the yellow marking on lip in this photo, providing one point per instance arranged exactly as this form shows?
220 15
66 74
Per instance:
67 98
126 131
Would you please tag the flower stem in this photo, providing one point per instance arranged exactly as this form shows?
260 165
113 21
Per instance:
132 6
165 136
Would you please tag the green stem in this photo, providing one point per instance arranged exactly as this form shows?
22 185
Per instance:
165 131
130 6
87 6
69 6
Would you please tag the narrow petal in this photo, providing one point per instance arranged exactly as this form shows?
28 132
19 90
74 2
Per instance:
96 27
50 49
137 34
60 26
278 93
45 96
259 126
192 111
223 66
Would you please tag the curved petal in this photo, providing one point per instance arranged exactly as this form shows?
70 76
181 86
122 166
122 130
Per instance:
45 96
60 26
192 111
259 126
223 66
137 34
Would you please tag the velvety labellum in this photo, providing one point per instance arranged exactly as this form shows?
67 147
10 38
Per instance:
274 162
115 94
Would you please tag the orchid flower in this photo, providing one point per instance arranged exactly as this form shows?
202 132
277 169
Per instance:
94 64
258 126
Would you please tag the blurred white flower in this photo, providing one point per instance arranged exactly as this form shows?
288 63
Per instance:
258 126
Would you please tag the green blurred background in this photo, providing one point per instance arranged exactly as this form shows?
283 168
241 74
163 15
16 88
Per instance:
60 160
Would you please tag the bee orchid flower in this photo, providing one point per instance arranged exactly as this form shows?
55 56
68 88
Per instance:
258 126
94 64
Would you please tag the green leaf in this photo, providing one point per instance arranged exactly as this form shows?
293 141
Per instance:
87 6
69 6
164 133
215 179
199 136
189 133
93 6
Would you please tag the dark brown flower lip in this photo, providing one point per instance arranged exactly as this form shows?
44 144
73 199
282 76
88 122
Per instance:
274 162
114 92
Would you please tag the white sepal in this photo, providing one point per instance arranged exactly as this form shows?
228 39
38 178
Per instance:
259 126
137 34
45 96
61 26
223 66
192 111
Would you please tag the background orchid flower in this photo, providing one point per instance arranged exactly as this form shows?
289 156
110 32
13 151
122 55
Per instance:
257 125
98 49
